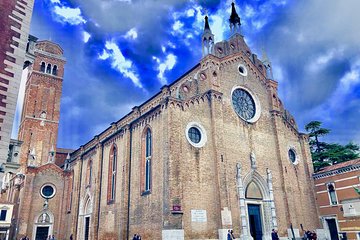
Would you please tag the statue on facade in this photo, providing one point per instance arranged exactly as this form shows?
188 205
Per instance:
46 204
43 217
253 160
269 174
32 158
238 170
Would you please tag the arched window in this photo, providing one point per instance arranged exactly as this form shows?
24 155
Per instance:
48 69
89 173
147 154
112 174
332 194
42 67
54 72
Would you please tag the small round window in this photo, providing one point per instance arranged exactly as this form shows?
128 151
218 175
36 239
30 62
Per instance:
195 134
242 70
47 191
292 156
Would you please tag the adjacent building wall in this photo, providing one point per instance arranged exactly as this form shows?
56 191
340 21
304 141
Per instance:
15 20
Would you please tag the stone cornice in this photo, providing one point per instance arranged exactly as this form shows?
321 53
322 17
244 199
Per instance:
50 55
40 119
43 74
46 168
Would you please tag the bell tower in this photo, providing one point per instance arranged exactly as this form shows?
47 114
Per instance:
41 109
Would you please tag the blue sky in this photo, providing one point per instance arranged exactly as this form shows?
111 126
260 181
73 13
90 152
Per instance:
120 52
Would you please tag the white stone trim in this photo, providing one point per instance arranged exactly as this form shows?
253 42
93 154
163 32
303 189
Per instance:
37 224
203 139
326 227
256 100
348 178
297 157
244 68
48 184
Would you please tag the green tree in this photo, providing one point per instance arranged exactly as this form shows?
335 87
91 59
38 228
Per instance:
325 154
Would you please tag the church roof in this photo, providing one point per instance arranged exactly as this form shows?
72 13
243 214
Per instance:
354 162
75 152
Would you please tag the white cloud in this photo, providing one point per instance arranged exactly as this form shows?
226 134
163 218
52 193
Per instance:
170 44
249 11
55 1
131 34
86 36
349 80
218 27
119 62
322 60
168 64
190 12
259 24
69 15
105 55
177 27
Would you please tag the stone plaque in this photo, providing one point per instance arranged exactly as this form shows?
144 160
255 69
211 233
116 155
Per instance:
226 217
198 216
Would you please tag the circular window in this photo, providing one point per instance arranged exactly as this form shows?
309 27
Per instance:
292 156
242 70
195 134
47 191
203 76
245 105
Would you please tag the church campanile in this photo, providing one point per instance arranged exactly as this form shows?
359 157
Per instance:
41 109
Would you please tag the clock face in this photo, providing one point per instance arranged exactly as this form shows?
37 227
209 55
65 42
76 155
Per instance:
244 104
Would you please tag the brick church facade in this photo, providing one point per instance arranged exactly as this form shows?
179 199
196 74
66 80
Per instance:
214 150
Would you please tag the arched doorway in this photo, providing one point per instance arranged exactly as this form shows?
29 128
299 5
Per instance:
85 218
256 202
43 226
87 215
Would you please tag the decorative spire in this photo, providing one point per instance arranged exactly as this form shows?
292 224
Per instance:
207 39
67 163
267 63
234 19
207 27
